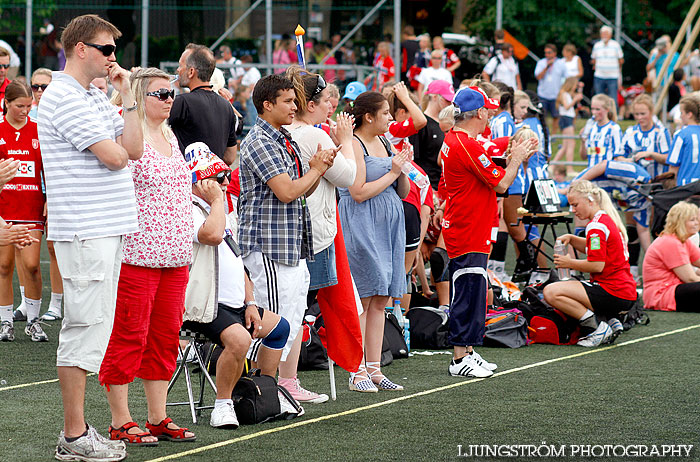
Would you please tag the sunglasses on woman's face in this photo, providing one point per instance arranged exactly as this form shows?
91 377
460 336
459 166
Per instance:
36 86
221 176
162 94
5 66
106 50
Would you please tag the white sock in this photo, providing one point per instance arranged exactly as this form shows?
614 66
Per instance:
586 315
222 402
499 267
22 306
33 308
55 303
490 265
6 313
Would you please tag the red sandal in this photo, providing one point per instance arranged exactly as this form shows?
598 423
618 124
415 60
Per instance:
163 432
133 439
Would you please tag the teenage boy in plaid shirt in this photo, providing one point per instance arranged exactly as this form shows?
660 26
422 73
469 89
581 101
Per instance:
275 225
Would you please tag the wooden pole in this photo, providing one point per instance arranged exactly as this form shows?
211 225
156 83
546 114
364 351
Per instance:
686 49
677 42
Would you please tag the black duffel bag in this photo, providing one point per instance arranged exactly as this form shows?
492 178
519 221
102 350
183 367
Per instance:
255 398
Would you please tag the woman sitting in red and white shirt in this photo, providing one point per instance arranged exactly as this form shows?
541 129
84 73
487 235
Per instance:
671 280
612 288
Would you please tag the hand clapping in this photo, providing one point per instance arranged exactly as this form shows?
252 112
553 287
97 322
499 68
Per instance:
323 159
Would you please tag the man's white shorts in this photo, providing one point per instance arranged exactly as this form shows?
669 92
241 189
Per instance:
281 289
90 272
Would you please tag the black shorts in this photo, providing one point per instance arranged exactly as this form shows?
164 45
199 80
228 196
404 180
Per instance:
226 317
604 305
412 218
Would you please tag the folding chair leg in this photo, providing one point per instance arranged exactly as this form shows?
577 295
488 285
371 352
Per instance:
178 371
189 394
204 376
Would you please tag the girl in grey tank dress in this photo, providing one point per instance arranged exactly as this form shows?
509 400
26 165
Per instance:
375 234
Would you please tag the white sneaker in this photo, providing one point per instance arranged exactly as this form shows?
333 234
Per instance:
467 367
117 445
34 330
617 329
224 415
602 334
301 394
482 362
51 315
87 448
7 332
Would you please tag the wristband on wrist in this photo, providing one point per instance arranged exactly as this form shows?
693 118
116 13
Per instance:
251 302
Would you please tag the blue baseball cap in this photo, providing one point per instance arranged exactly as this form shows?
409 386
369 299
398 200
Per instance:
470 98
353 90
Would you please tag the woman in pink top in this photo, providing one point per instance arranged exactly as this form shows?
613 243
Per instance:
154 273
671 281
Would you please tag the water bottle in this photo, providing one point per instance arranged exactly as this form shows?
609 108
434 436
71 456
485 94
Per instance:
415 175
403 322
562 249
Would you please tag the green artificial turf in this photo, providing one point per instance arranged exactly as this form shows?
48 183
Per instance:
640 393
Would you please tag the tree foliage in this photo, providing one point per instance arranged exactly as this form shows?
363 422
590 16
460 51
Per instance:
536 22
13 14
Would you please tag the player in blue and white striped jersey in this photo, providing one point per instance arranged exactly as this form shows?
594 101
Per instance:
534 119
647 143
502 125
604 141
685 149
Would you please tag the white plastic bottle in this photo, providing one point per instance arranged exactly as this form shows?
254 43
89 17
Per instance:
403 322
562 249
415 175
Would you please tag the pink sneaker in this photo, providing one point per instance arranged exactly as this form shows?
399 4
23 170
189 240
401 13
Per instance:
301 394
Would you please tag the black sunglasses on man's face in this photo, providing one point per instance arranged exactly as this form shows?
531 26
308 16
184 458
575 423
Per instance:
106 50
221 176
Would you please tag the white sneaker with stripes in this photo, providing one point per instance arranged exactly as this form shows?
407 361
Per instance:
467 367
601 335
482 362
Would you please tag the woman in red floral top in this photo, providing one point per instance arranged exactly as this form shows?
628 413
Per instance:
154 273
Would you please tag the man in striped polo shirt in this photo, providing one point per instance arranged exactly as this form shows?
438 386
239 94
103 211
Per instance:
607 59
86 145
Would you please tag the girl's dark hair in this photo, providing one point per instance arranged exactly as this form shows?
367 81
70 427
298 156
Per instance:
305 85
530 113
369 102
507 95
15 90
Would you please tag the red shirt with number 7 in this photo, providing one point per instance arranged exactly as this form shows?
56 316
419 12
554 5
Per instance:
22 199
